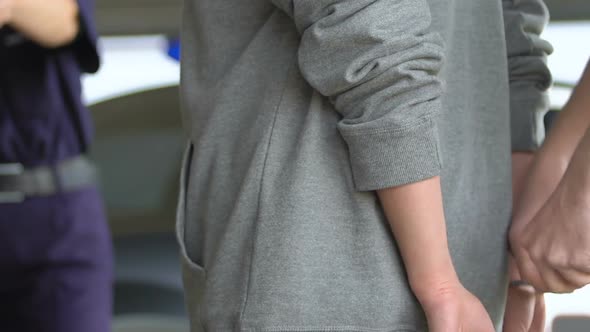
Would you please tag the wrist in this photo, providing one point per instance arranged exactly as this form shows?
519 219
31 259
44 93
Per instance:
542 179
432 285
434 292
572 195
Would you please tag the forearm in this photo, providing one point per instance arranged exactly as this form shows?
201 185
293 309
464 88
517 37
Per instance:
575 184
49 23
552 250
571 125
528 194
552 160
521 168
532 187
415 213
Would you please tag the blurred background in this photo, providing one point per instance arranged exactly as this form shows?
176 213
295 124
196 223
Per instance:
139 80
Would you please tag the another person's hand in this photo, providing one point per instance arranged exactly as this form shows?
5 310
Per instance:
525 308
5 12
550 232
453 308
553 250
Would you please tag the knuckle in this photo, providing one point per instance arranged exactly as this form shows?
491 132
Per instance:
538 257
557 260
527 275
515 244
537 284
581 262
514 237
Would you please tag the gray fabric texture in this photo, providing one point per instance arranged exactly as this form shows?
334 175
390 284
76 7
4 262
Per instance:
298 110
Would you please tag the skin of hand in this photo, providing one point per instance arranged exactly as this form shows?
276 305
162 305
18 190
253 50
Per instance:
553 252
525 308
50 24
415 213
553 206
455 309
5 12
553 158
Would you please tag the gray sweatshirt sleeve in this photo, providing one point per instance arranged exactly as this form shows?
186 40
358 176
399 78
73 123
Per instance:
378 63
530 78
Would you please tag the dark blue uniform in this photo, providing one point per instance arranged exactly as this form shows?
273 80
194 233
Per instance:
55 251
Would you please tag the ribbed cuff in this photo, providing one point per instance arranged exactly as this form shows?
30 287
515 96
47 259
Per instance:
527 126
383 159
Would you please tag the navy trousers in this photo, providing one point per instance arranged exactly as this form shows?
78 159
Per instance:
56 264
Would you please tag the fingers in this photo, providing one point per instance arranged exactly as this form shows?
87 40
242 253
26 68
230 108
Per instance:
575 278
546 280
566 259
528 270
555 282
525 310
542 275
520 310
520 304
538 323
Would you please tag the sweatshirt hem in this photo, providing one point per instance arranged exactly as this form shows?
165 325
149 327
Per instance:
401 328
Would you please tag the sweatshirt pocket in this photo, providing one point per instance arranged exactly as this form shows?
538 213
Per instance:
193 274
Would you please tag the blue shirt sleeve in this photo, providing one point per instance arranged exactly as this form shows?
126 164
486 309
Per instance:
85 46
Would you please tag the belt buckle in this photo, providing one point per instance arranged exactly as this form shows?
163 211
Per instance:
14 169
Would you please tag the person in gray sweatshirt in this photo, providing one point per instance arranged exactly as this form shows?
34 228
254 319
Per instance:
349 161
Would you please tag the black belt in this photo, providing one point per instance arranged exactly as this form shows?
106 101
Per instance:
18 183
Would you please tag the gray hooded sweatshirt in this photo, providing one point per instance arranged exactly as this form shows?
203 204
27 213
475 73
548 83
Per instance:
298 110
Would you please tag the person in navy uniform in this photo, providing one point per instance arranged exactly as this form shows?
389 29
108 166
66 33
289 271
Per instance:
55 248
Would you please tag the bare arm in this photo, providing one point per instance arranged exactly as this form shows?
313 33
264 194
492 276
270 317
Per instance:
415 213
577 176
49 23
553 206
525 308
553 158
571 124
553 250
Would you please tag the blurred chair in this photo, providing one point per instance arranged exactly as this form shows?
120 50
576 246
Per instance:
138 148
